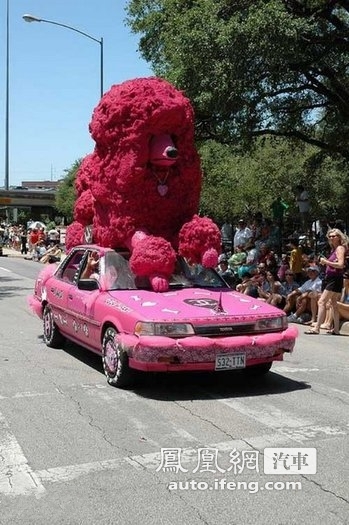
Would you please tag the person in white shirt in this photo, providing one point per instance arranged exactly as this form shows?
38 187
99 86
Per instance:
243 235
301 297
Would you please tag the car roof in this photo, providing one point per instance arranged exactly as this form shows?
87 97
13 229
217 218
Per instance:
121 251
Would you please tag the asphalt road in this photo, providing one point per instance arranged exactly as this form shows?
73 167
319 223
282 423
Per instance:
74 450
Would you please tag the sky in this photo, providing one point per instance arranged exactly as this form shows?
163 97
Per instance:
54 80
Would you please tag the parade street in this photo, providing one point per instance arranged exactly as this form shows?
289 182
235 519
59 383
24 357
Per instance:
181 448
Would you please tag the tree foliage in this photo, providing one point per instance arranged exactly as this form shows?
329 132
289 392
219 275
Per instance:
237 184
253 68
65 194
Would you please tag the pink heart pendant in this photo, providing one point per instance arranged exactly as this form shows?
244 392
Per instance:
162 189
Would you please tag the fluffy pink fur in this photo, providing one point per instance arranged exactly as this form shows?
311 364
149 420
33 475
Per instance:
34 301
133 195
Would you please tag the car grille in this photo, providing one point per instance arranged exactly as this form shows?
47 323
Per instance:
224 330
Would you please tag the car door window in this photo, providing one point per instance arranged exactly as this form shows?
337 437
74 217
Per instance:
94 271
70 270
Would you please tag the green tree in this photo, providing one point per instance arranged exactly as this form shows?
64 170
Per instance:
239 184
65 194
253 68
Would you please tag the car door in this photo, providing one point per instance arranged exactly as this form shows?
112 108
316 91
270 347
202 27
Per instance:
66 279
80 305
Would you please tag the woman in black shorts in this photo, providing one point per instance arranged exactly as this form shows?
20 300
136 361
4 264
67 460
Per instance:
332 283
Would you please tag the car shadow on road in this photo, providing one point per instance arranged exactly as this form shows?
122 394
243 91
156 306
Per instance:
181 386
85 356
215 385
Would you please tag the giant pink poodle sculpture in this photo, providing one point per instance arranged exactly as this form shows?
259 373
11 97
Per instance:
140 188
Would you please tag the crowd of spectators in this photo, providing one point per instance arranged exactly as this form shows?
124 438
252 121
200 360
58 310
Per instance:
286 273
32 240
290 273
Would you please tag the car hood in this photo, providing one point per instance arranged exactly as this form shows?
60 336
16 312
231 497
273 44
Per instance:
192 303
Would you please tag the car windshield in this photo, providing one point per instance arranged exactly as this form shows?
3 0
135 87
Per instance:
119 276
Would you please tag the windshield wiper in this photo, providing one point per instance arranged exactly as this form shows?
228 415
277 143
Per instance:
180 286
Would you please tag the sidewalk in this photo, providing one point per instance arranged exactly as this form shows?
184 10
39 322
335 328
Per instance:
10 252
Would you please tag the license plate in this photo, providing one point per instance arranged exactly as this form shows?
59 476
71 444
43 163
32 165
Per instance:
230 361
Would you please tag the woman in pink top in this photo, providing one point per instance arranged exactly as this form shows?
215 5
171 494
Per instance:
332 284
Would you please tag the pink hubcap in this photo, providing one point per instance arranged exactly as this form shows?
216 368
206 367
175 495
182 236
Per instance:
111 358
48 325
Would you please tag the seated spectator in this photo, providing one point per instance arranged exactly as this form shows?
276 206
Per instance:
267 257
53 254
252 256
259 274
300 299
250 264
247 286
259 281
284 268
288 286
238 258
271 292
39 250
224 271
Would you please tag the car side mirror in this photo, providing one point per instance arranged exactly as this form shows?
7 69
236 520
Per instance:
88 284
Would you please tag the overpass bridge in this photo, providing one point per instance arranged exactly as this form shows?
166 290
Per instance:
27 198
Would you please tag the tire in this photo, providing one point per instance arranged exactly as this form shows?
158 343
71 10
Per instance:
115 361
258 370
52 336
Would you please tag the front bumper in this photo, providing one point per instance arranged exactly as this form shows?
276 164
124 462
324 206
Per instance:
35 305
153 353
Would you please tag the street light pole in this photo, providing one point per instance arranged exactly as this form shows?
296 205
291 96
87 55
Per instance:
31 18
7 102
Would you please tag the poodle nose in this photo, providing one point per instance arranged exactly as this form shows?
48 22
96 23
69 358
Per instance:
171 152
162 151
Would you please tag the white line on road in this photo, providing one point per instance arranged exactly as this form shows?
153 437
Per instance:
20 395
16 477
70 472
289 369
267 414
152 460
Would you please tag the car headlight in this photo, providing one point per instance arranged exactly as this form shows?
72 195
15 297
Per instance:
165 329
274 323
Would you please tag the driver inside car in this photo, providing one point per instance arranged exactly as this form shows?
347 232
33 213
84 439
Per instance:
91 270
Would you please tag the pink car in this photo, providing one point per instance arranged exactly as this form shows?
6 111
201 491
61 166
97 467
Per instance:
199 324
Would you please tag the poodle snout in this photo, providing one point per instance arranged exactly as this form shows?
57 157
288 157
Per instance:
162 150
